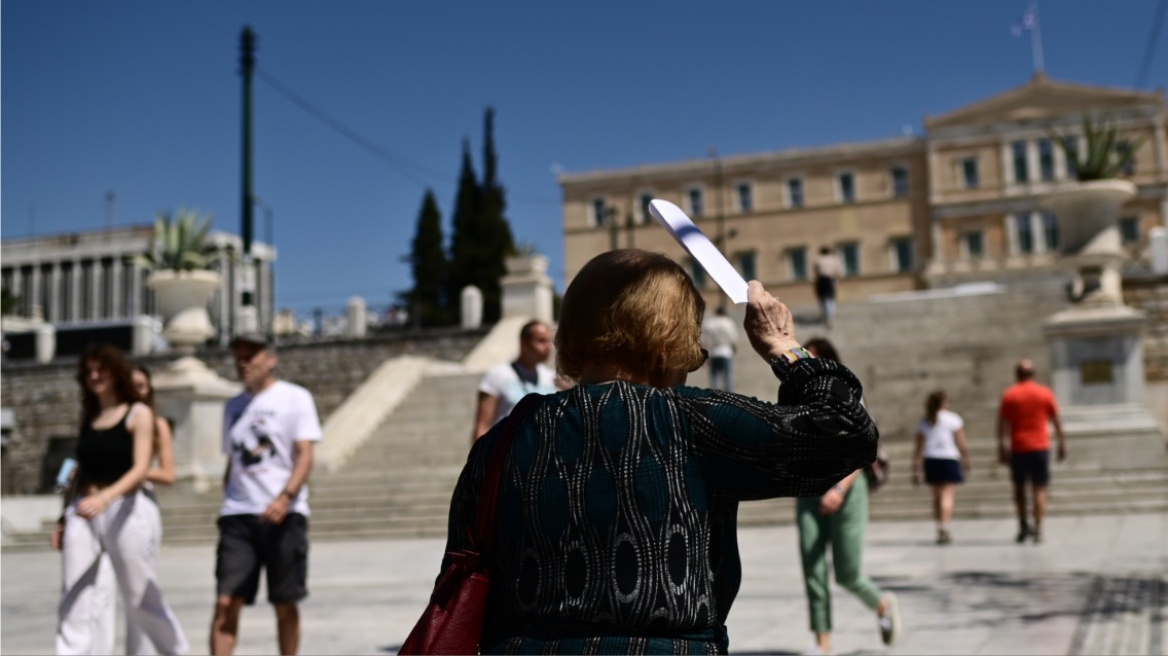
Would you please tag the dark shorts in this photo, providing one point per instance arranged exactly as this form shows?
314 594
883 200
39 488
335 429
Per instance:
1033 465
941 471
246 545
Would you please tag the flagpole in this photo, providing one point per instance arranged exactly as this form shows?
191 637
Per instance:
1036 39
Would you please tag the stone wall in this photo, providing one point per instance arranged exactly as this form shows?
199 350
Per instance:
45 399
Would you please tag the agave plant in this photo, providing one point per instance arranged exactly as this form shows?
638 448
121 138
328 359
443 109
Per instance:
180 243
1105 156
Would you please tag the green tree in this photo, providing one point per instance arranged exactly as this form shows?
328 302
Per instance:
467 243
497 231
428 263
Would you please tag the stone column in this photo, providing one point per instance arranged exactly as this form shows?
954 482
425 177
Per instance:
75 295
34 307
1038 230
18 286
53 312
117 311
192 396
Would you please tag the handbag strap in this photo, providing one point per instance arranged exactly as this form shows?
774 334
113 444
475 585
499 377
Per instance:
484 529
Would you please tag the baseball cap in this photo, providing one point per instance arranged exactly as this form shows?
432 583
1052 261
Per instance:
258 339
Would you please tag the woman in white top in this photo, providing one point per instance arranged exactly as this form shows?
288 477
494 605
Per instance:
942 453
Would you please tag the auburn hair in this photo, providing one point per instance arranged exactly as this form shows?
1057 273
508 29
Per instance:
632 307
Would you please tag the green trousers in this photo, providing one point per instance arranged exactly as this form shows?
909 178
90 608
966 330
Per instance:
844 531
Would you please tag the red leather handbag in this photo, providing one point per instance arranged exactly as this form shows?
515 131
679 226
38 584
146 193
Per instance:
453 622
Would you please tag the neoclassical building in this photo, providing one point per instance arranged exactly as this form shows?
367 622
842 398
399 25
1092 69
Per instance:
91 278
958 204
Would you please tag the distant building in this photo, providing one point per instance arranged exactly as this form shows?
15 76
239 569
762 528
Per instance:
957 204
91 278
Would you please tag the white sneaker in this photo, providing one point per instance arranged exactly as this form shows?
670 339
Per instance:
814 650
890 625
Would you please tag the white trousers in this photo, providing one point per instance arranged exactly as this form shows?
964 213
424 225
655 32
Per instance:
126 536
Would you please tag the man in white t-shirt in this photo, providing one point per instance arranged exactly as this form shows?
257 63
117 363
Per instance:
505 384
720 339
268 436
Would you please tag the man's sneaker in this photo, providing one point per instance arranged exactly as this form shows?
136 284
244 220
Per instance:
943 536
1023 531
815 650
1036 534
890 626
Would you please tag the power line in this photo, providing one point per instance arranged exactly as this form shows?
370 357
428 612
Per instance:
412 170
1157 25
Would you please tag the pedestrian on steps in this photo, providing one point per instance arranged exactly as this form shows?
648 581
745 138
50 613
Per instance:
942 454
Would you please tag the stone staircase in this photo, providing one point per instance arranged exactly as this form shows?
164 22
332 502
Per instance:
399 482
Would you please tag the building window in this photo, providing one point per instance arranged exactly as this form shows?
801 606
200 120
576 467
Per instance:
1129 229
847 187
1025 233
1046 159
795 192
899 182
974 244
1021 171
902 254
599 213
6 280
746 265
969 172
745 197
797 261
1071 148
1124 149
645 200
850 254
1050 228
698 273
695 201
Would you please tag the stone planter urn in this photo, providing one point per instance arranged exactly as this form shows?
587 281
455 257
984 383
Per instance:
1088 216
182 299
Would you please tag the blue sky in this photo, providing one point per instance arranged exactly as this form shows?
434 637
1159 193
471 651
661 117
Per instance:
144 99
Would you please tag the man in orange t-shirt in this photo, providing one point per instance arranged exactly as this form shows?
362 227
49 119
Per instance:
1026 409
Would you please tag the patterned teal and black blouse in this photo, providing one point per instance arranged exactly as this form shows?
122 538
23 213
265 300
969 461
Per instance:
618 515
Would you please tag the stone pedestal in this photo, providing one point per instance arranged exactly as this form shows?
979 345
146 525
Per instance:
527 289
1097 362
471 306
192 396
356 317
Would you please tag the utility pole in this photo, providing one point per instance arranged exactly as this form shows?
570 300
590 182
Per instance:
248 317
109 211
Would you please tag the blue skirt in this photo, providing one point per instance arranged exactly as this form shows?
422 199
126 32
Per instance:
939 471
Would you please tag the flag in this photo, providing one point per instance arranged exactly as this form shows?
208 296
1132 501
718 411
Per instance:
1024 24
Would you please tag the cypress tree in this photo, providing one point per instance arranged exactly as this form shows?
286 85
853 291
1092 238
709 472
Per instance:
429 298
497 231
466 240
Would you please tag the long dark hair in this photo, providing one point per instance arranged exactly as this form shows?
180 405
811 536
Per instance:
149 398
110 359
933 404
823 349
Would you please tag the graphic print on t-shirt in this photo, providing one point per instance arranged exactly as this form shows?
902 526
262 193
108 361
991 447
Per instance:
256 443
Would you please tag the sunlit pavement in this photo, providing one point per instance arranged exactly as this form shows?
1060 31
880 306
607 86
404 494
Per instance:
1095 585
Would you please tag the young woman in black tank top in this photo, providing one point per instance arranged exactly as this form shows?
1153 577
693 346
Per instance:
107 516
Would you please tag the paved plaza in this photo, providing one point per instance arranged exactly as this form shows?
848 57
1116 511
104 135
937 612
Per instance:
1097 585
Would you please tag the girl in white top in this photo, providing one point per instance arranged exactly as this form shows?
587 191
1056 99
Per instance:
943 455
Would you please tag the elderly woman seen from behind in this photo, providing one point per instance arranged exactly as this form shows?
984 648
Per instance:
617 516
